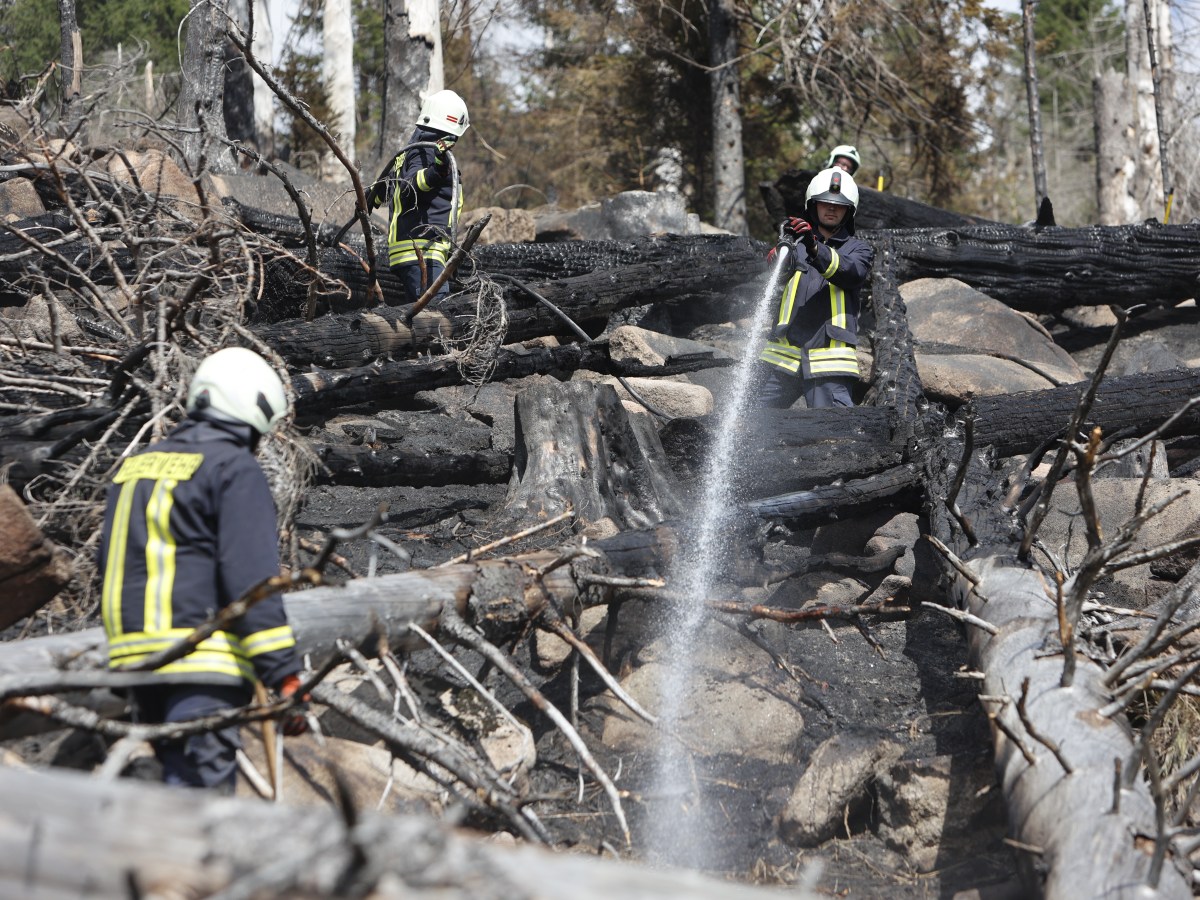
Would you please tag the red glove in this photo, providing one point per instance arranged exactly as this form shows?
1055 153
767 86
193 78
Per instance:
295 720
803 232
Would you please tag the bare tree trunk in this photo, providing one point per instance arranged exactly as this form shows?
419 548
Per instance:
199 109
1114 150
72 66
1158 26
729 176
262 42
1035 106
337 70
412 36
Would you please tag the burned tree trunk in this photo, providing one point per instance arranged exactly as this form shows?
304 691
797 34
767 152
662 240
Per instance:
1051 270
579 449
381 466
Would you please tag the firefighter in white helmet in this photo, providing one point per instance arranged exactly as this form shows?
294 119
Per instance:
811 349
425 202
189 528
844 157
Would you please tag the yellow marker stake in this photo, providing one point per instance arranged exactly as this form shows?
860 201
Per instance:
879 183
1167 215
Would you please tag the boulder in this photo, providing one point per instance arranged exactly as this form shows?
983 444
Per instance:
945 311
944 806
492 405
507 226
673 395
1063 531
33 321
32 569
626 215
19 200
630 344
836 779
725 712
552 651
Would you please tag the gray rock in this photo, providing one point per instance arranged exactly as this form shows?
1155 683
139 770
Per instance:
676 398
492 405
948 312
725 712
836 778
507 226
1151 356
941 805
1064 532
19 200
628 343
626 215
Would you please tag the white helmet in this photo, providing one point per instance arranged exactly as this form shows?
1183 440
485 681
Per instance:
851 153
832 186
238 385
445 111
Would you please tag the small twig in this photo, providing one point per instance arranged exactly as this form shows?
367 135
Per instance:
997 718
560 628
505 541
962 616
959 478
758 611
461 631
958 564
1033 732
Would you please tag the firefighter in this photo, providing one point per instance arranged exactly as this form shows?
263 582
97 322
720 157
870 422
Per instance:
189 528
811 348
844 157
425 204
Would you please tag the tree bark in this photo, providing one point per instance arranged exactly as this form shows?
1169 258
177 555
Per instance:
729 177
578 449
385 466
71 62
411 38
1029 42
337 70
128 839
199 108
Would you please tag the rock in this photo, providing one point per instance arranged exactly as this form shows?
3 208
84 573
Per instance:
371 773
673 395
492 405
627 215
948 312
507 226
1151 356
33 321
32 569
731 714
628 343
1064 531
19 200
1151 456
958 378
329 203
836 778
552 651
941 806
157 173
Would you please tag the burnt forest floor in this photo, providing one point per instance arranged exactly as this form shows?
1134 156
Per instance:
906 689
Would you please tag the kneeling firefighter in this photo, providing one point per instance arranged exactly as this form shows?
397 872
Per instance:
811 348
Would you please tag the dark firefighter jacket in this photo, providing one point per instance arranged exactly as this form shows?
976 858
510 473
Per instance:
820 307
424 209
189 527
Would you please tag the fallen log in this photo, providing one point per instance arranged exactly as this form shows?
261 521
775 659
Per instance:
1053 269
681 268
326 390
385 466
125 839
876 209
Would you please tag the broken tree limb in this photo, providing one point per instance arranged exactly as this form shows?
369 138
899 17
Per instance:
125 837
388 466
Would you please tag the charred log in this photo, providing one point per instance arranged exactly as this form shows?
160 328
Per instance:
333 389
384 466
1057 268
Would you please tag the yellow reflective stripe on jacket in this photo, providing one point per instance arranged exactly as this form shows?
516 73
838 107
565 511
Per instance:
834 262
783 355
788 300
403 252
160 557
220 653
114 566
837 310
265 641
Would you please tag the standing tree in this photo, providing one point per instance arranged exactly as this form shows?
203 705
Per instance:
338 73
412 36
200 108
72 67
1028 8
729 177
